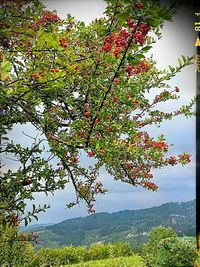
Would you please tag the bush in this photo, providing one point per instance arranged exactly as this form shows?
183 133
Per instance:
120 250
99 251
47 257
74 254
70 255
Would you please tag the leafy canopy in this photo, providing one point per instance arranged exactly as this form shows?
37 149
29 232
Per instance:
85 89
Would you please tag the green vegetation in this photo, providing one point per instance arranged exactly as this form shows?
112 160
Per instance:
165 249
125 226
71 255
15 249
135 261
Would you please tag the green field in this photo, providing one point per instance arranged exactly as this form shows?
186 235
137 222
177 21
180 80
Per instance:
131 261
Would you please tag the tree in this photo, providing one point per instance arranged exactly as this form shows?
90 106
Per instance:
167 250
85 89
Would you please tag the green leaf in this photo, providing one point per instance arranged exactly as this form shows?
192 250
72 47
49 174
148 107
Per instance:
180 62
171 68
122 18
110 59
146 49
6 67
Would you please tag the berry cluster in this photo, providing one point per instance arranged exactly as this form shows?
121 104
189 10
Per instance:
172 160
47 17
35 75
160 145
150 185
184 158
118 42
139 36
63 42
142 67
139 5
131 23
91 154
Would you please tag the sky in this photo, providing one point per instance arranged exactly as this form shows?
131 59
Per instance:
176 184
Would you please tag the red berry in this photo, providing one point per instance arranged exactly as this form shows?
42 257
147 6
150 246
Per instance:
87 114
139 5
74 160
139 38
177 89
116 99
35 75
108 117
55 70
116 81
107 47
90 154
103 151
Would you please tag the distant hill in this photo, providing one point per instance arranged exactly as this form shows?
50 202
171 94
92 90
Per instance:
125 226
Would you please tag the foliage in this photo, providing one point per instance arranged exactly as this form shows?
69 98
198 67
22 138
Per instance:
15 249
165 249
85 89
158 234
131 261
70 255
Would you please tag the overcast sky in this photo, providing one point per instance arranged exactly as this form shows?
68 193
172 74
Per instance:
175 183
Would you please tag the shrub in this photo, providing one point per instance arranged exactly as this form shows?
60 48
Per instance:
70 255
120 249
74 254
99 252
47 257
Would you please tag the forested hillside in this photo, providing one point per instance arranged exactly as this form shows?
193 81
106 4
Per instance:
128 225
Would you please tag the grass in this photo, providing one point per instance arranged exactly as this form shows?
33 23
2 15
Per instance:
131 261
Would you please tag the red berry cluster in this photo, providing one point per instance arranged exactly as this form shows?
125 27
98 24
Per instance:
119 42
142 67
185 158
139 36
47 17
144 28
55 70
35 75
172 160
107 47
90 154
74 160
150 185
131 23
160 145
63 42
139 5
